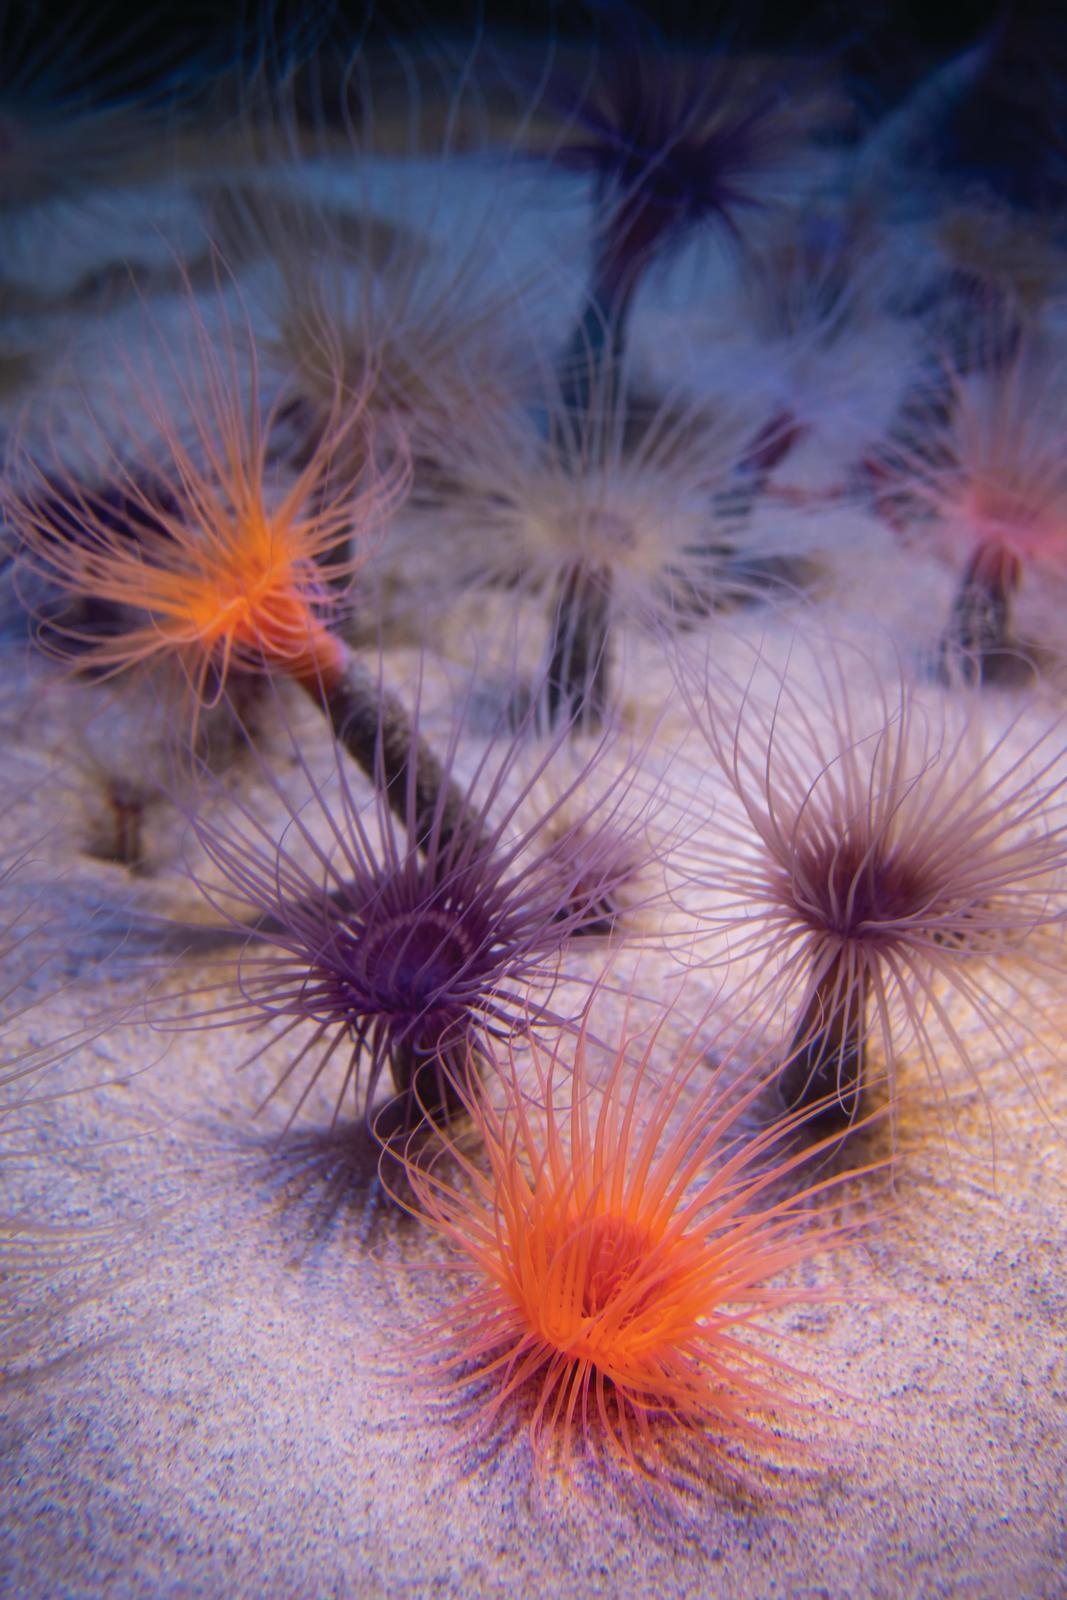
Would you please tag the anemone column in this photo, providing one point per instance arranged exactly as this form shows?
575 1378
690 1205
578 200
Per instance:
826 1064
671 144
976 643
578 680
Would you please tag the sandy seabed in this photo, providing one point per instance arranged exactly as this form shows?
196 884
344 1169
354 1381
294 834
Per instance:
207 1391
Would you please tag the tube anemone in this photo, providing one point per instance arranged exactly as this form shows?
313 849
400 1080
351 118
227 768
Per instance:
423 335
410 959
607 522
213 559
889 864
624 1253
810 333
386 273
672 144
212 555
981 477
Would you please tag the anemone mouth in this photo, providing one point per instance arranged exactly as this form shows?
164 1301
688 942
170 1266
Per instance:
861 890
599 1280
1016 520
412 963
666 189
269 609
1005 505
606 534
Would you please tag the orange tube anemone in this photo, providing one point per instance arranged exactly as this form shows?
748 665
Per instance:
212 553
625 1250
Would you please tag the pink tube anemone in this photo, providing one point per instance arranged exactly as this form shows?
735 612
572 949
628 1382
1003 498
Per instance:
888 863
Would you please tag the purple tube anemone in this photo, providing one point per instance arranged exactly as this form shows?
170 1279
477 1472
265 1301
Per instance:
892 867
407 957
672 143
